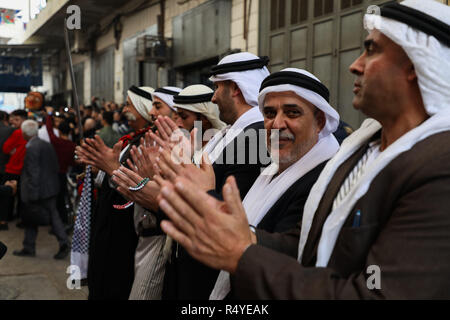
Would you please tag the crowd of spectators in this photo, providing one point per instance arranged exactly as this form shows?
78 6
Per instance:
58 126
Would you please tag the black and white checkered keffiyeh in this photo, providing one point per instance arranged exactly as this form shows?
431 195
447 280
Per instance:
82 229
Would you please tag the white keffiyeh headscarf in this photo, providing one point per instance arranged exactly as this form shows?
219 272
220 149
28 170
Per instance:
248 81
431 59
167 94
207 108
142 104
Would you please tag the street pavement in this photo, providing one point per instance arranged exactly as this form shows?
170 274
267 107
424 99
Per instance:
37 278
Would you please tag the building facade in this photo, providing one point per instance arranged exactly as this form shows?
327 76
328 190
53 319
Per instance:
322 36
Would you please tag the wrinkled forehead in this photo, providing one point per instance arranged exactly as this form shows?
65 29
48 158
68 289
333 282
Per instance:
283 97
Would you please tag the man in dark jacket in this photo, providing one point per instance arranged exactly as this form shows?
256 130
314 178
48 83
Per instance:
39 188
5 132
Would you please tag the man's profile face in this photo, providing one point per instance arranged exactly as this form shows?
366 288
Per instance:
381 73
160 108
298 127
16 121
222 97
134 118
185 119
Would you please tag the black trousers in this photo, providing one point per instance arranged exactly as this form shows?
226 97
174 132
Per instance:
31 231
61 198
7 203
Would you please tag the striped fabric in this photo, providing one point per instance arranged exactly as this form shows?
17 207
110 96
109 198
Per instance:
150 267
150 260
356 173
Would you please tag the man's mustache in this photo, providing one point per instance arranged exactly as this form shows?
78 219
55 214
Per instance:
130 116
282 135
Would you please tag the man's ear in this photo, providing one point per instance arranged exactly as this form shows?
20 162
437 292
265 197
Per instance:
320 118
411 75
235 91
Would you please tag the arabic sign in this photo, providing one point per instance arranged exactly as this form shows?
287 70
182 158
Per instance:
18 74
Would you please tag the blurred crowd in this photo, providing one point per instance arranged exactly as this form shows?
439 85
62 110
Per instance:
59 127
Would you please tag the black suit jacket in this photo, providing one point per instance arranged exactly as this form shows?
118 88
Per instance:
5 132
288 210
242 158
185 277
39 177
404 230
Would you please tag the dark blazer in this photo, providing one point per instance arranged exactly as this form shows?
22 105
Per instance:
288 210
404 230
5 132
39 178
185 277
248 154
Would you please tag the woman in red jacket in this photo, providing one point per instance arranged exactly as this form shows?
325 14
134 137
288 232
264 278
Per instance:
14 146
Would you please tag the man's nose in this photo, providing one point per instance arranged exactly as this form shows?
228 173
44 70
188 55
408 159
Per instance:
357 67
279 121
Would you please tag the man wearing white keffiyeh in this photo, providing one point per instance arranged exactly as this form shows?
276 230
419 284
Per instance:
376 223
299 123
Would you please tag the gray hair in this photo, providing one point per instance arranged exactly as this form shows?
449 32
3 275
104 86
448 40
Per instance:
30 128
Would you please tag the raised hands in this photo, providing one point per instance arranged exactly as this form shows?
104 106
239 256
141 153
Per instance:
214 232
94 152
172 167
169 136
146 197
144 157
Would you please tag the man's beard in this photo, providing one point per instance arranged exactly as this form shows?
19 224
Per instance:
130 116
275 147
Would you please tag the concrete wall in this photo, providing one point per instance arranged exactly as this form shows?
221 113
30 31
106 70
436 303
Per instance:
143 19
237 26
173 9
33 25
237 21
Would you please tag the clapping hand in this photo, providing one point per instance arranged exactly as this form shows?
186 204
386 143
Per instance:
214 232
170 136
172 166
94 152
144 157
146 197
